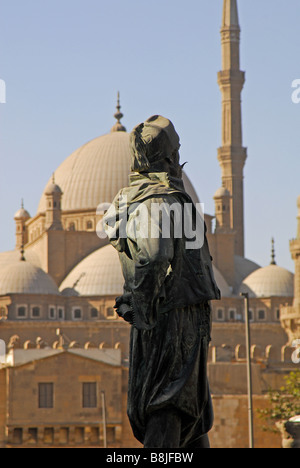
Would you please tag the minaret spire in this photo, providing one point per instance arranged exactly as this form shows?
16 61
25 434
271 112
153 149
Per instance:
230 14
232 155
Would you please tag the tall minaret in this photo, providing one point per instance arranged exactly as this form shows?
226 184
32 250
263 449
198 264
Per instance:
295 251
232 155
290 316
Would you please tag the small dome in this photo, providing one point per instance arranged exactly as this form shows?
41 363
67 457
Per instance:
243 268
270 281
22 214
222 192
21 277
225 289
100 274
52 188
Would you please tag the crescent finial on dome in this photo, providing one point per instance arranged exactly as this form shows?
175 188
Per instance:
273 256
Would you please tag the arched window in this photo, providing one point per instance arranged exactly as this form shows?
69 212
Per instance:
89 224
72 227
77 313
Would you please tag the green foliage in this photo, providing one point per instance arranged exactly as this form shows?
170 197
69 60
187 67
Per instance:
283 403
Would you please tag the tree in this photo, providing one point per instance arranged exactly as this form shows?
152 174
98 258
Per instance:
284 403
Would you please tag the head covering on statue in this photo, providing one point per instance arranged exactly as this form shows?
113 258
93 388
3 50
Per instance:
155 147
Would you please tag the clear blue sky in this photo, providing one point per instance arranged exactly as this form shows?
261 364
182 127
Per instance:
63 62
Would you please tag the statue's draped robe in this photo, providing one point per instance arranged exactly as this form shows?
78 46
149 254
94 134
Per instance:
169 289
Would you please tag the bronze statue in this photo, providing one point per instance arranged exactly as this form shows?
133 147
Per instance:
169 282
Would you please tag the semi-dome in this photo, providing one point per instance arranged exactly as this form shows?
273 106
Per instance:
270 281
21 277
243 268
225 289
100 274
95 172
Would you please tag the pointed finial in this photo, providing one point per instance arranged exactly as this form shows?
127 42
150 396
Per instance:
53 178
118 115
118 127
22 203
273 256
22 252
230 14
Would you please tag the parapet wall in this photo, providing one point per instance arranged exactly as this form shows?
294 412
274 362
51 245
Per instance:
269 355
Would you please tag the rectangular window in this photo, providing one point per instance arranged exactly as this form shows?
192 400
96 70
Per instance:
22 311
110 313
220 314
89 395
52 312
79 435
32 435
35 312
17 436
232 314
94 313
94 435
46 395
48 435
64 435
261 315
61 313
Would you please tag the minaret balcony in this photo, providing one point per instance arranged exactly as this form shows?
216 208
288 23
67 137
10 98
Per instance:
232 78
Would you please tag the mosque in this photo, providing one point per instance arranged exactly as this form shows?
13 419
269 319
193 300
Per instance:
67 350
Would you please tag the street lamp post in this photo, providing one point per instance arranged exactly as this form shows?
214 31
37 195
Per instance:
104 419
249 373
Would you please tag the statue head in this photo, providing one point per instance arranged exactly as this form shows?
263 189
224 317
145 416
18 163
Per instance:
155 147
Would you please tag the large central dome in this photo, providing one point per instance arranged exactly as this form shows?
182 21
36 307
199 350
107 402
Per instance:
96 172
